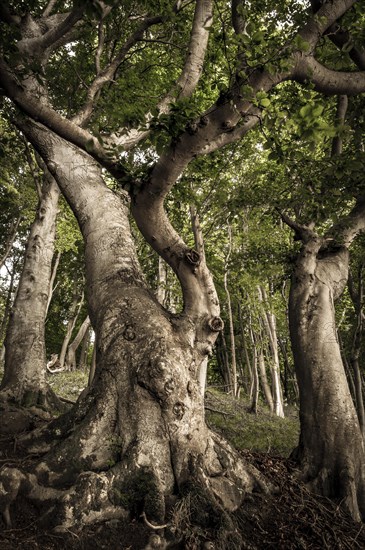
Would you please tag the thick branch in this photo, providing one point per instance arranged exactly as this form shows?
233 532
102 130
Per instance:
191 72
55 122
326 80
345 231
53 35
49 8
324 18
193 67
341 38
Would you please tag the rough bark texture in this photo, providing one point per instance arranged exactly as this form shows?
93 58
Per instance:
331 449
25 359
137 439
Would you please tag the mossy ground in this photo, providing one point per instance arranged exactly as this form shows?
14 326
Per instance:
290 519
261 432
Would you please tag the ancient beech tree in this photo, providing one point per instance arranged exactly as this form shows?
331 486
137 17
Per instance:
141 424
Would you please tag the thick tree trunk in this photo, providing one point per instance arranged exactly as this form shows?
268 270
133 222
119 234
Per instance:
138 437
25 359
331 448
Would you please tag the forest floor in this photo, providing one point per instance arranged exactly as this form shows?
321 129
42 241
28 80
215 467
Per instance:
290 519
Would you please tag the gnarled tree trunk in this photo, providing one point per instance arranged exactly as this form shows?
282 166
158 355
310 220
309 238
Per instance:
138 437
331 448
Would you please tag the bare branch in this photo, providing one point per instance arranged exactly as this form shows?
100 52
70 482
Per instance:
302 232
108 73
49 8
191 72
41 112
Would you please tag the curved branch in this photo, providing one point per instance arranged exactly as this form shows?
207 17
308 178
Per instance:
327 80
193 66
41 112
191 72
323 19
108 73
53 35
347 229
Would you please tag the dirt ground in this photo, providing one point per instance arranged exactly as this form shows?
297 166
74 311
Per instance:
292 518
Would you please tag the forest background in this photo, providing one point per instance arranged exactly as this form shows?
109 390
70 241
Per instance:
242 126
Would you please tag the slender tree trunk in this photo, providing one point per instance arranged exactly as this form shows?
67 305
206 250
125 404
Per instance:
52 280
25 357
72 348
269 322
144 412
246 377
161 282
357 295
85 345
331 447
199 246
10 240
76 305
255 387
230 317
264 381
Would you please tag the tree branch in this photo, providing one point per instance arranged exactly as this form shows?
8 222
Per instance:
341 38
41 112
193 66
347 229
191 72
52 36
323 19
327 80
107 74
49 8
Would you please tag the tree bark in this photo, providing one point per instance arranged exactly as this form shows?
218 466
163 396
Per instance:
234 387
269 322
74 313
72 348
25 358
331 447
139 430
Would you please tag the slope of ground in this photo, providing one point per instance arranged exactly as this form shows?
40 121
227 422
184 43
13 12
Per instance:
291 519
